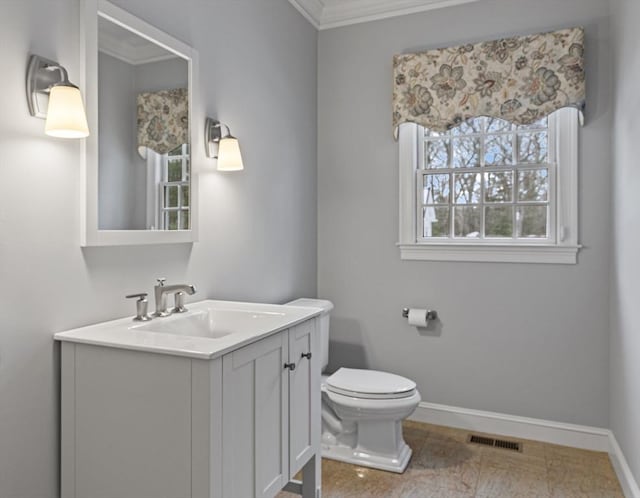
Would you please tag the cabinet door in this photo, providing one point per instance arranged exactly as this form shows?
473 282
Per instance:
255 418
304 395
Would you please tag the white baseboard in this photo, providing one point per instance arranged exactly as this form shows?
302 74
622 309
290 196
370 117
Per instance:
620 465
576 436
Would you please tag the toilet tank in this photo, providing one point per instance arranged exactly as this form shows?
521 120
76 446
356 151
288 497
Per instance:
326 307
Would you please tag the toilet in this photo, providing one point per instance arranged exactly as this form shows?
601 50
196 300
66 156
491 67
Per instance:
362 410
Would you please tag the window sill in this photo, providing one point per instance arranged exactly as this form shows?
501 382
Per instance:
495 253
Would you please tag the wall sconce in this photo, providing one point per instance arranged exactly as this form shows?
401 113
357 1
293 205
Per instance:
224 148
65 111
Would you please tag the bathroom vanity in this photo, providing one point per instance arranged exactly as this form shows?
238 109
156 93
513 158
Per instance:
222 401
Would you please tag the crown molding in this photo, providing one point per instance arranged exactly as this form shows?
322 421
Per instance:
142 52
326 14
310 9
134 58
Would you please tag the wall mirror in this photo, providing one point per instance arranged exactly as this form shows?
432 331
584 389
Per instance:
140 180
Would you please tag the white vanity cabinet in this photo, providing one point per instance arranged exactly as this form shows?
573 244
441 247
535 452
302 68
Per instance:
138 424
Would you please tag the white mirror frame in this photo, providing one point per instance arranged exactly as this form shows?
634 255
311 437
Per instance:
90 234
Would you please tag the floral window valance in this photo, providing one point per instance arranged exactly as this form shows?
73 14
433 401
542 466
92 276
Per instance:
519 79
163 119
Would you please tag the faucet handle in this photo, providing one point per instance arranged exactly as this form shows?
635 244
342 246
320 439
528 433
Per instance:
140 296
161 281
141 306
179 307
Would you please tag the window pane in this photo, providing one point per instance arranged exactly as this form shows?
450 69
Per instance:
466 152
541 123
467 188
533 185
496 125
467 221
431 133
184 220
532 221
175 152
498 187
498 221
435 221
474 125
436 189
533 147
173 220
437 154
174 170
185 195
171 196
498 149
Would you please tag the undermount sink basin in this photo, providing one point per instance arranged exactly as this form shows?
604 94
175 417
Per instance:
213 322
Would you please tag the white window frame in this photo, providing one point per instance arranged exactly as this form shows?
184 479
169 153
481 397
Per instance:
560 248
163 210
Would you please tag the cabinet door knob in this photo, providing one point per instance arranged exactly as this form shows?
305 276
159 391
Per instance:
306 355
290 366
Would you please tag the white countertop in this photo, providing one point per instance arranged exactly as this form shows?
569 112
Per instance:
241 323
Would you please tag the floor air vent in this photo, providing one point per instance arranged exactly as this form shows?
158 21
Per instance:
496 443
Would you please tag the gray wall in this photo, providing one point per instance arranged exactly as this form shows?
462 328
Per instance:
625 271
162 75
258 227
528 340
118 179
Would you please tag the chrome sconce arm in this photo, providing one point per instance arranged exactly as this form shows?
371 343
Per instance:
212 136
41 77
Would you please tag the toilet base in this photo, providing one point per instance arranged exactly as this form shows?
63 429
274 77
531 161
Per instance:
397 463
365 431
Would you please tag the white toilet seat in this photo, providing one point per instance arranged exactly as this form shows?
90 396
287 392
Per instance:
354 408
369 384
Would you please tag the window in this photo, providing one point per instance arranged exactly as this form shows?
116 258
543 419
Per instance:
174 189
489 190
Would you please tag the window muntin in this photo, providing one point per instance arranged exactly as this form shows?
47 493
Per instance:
174 189
487 181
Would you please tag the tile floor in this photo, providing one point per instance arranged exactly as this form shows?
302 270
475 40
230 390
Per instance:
444 465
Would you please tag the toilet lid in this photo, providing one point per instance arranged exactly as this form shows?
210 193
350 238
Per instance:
370 384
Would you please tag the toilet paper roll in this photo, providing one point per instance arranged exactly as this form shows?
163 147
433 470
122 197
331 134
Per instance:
418 317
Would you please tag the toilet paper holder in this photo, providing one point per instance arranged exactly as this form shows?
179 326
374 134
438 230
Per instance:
431 314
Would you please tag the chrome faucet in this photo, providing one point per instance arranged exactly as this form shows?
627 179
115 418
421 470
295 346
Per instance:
161 291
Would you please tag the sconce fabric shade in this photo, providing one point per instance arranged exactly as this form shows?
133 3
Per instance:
229 156
65 113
